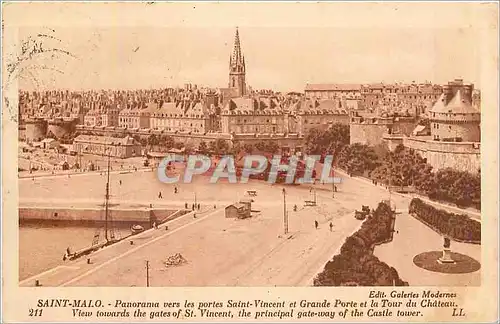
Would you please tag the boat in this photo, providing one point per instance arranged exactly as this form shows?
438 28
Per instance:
109 233
136 229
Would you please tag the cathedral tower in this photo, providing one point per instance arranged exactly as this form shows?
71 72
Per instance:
237 68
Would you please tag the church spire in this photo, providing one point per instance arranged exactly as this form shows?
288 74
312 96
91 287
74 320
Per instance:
237 57
237 67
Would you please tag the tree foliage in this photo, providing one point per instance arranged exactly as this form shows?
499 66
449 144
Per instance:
218 147
356 265
460 227
330 141
358 159
203 147
405 167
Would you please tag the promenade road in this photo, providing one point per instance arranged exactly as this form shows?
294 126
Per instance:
412 238
220 251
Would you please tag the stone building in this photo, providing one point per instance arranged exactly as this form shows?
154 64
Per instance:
455 133
453 118
183 116
137 116
107 116
316 114
100 145
414 98
331 91
371 129
253 115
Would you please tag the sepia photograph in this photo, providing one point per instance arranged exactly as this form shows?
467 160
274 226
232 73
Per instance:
224 145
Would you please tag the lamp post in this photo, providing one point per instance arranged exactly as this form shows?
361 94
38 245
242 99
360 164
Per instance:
285 216
147 273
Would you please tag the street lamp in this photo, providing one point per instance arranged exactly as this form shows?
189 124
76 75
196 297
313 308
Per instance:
285 216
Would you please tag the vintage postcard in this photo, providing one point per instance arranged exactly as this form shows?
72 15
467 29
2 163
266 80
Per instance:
223 161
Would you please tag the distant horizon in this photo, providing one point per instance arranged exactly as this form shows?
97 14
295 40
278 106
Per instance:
325 44
202 86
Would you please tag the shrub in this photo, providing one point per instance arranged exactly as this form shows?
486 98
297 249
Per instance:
456 226
356 265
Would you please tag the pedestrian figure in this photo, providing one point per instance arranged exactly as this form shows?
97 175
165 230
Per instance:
215 206
175 190
159 195
198 206
154 225
335 188
295 208
194 215
120 182
316 224
331 226
186 205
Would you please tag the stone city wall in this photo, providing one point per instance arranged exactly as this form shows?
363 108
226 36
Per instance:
88 215
370 134
463 156
35 130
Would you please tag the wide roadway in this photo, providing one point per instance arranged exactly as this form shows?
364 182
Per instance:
219 251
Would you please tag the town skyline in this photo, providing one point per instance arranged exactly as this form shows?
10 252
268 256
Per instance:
280 57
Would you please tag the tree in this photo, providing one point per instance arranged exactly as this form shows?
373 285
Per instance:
248 148
358 159
152 140
267 146
219 147
403 167
166 142
202 147
330 141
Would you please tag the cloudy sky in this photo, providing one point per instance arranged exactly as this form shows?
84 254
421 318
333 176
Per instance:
285 45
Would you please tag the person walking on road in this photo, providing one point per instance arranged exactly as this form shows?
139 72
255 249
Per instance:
316 224
331 226
159 195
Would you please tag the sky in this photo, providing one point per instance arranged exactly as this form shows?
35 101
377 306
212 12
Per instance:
286 46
